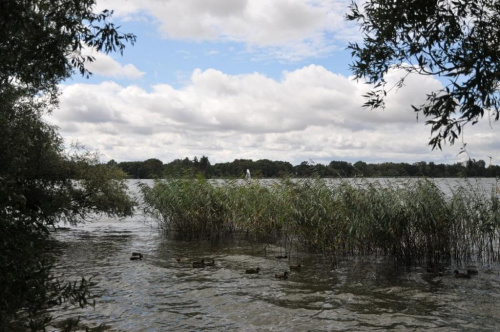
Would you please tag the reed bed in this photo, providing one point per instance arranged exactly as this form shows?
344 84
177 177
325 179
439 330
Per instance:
411 220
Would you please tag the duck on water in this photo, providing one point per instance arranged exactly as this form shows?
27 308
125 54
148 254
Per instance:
252 271
136 256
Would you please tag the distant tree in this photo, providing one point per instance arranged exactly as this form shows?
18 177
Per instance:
322 170
475 168
153 168
205 167
265 168
456 170
421 168
134 169
458 41
239 166
186 168
360 168
304 169
390 169
284 168
341 168
409 170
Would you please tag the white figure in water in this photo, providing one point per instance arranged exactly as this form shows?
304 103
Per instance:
247 175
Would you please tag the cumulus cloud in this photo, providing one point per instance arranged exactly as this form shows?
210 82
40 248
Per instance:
105 65
288 29
308 114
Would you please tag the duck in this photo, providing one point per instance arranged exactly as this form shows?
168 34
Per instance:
252 271
281 256
460 275
283 276
136 256
212 263
472 271
295 267
199 264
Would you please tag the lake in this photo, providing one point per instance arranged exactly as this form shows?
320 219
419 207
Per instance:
363 294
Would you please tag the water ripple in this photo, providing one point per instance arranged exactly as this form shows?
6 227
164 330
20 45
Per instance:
160 294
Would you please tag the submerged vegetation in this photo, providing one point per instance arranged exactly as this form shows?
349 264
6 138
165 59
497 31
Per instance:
412 221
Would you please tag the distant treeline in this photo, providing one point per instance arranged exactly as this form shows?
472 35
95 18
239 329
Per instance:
264 168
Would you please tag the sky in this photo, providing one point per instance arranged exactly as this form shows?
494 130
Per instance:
247 79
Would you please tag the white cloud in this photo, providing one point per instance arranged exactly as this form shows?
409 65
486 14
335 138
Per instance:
287 29
105 65
310 114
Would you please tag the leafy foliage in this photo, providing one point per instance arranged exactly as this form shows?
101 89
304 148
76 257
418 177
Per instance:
455 40
41 43
40 185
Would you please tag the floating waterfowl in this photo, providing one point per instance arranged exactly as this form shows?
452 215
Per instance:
295 267
282 256
136 256
252 271
178 260
199 264
283 276
212 263
472 271
460 275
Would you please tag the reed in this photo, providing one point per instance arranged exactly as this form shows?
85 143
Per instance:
190 209
411 220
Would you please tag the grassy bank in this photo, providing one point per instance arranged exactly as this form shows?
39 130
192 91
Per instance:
411 220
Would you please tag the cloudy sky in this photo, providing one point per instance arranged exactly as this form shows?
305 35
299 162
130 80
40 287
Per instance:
252 79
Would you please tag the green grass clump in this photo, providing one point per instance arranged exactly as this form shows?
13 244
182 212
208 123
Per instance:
412 220
190 209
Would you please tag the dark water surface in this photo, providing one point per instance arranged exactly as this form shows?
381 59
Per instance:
160 294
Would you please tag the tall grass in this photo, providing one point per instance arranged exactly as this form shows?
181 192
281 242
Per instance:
412 221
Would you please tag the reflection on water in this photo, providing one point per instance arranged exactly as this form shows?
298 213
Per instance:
160 294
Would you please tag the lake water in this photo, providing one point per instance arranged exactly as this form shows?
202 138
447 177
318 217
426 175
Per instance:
160 294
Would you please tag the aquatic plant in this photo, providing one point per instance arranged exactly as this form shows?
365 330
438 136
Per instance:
190 209
412 220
